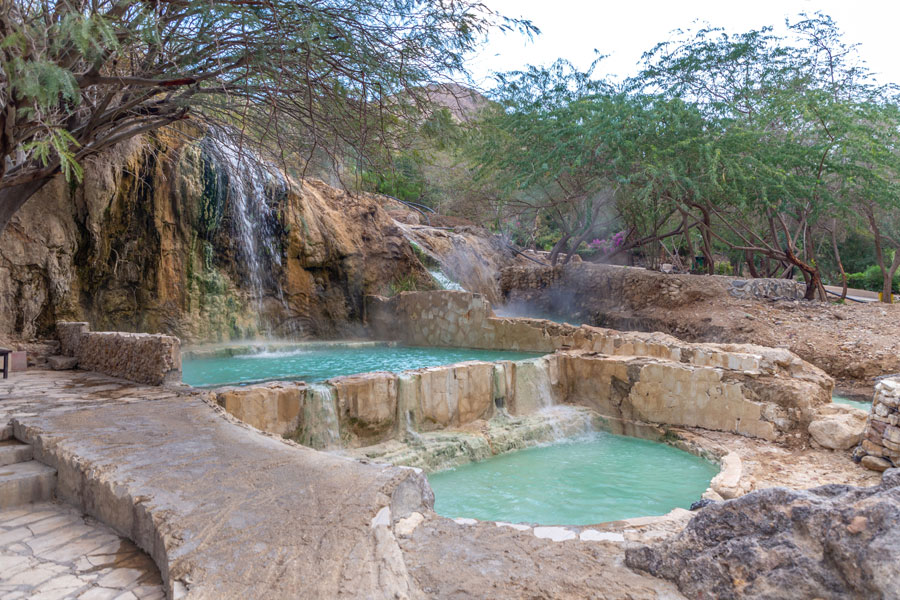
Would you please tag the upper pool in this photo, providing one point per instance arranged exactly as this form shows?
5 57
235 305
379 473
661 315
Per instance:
316 362
584 481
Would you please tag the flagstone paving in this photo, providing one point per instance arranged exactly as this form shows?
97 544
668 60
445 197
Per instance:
51 551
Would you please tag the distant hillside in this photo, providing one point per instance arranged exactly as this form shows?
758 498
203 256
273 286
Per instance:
463 102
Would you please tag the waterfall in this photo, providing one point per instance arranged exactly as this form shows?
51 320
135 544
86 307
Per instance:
445 282
321 429
534 386
247 184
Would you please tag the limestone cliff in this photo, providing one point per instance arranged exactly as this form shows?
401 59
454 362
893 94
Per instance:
155 239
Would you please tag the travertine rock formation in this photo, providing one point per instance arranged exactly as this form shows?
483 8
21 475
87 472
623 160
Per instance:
830 542
149 242
628 376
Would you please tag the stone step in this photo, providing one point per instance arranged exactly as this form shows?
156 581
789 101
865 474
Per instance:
13 451
26 482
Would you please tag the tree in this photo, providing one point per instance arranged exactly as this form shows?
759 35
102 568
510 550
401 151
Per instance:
546 145
306 76
787 119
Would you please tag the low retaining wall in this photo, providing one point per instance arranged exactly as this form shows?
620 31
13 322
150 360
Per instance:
142 357
880 447
629 393
786 390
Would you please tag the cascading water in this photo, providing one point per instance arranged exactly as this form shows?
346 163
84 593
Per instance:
249 187
321 429
445 282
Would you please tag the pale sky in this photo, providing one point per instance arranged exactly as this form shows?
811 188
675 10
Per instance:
625 29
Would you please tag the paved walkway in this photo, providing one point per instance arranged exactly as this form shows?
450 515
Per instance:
50 551
228 512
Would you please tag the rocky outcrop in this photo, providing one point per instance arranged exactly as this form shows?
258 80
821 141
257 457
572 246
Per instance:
150 242
470 256
838 427
597 293
830 542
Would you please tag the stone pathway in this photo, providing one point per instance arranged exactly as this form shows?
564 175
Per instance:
51 551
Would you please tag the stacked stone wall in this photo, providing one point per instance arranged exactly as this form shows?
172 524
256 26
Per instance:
880 446
141 357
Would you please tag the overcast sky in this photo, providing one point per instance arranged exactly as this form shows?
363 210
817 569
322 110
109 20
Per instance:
625 29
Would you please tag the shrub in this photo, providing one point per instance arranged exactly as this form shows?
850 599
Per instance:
872 279
724 268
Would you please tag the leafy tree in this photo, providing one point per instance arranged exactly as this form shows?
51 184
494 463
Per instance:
304 76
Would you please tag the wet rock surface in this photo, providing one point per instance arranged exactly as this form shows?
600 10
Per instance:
834 541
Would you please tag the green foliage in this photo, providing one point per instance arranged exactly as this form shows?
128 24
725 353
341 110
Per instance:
403 180
302 79
872 279
405 283
724 268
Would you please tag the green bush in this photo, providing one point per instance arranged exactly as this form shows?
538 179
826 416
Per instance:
872 279
724 268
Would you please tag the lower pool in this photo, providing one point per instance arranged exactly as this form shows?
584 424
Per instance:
316 362
837 399
598 478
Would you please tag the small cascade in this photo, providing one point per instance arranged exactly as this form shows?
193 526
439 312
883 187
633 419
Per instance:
567 422
407 384
321 429
411 436
248 186
445 282
534 387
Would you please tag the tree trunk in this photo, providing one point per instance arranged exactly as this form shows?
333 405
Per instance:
889 281
837 259
558 247
810 274
687 241
13 198
748 256
886 292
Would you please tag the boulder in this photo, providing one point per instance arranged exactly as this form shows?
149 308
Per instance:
839 431
875 463
835 541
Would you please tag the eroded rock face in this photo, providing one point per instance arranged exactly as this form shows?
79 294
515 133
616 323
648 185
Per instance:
834 541
148 243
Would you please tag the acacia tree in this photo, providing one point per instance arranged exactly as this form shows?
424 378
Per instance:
306 76
786 117
546 145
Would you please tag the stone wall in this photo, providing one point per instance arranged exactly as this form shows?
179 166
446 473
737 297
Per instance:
767 289
753 390
142 357
880 447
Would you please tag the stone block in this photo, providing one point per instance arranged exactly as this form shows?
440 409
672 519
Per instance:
875 463
892 434
69 334
18 361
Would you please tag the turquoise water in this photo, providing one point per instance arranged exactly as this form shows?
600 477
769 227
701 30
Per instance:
599 478
316 363
866 406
